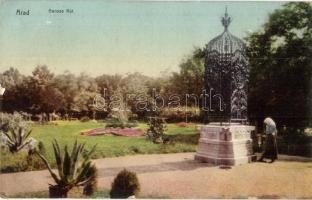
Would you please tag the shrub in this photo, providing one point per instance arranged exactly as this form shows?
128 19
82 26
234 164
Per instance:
132 123
34 162
11 121
13 162
125 185
290 141
114 123
156 130
75 169
135 149
91 186
119 117
41 148
186 114
117 123
20 161
85 119
293 141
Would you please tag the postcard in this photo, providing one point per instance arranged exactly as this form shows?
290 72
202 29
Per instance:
155 99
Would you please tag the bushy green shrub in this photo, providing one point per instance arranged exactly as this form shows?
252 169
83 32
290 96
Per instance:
119 117
11 121
114 123
21 161
117 123
13 162
85 119
290 141
34 162
125 185
187 114
41 148
91 186
156 130
293 141
135 149
132 123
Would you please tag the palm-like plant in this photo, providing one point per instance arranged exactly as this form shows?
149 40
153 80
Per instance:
75 169
17 139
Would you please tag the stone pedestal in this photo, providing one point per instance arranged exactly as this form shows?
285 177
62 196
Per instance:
226 144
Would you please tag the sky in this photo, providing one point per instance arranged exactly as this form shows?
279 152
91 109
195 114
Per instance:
117 36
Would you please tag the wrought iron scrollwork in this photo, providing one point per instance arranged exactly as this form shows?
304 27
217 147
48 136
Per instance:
226 73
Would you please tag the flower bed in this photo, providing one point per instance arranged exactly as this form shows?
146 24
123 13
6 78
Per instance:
128 132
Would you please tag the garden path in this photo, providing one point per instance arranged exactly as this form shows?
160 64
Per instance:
179 176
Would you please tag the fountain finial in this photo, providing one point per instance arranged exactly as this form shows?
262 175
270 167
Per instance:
226 20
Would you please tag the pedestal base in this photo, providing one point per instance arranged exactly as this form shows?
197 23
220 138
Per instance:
225 144
226 161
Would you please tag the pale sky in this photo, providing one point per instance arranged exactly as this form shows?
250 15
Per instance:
116 37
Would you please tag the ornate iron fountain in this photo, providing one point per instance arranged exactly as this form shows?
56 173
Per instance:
226 76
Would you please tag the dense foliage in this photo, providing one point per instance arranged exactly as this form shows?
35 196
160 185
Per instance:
125 184
156 130
20 161
281 68
48 96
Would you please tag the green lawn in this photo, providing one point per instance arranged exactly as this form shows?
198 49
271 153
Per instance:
184 139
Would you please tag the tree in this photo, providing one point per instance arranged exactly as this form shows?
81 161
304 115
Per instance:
280 66
15 97
136 90
67 85
87 91
190 78
43 93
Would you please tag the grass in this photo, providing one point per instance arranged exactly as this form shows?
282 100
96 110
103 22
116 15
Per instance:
183 139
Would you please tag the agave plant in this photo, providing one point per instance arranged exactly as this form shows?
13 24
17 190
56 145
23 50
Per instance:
75 169
17 139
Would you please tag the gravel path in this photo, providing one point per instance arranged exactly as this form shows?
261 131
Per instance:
179 176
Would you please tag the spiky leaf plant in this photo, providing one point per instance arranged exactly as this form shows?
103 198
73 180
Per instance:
75 169
17 139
